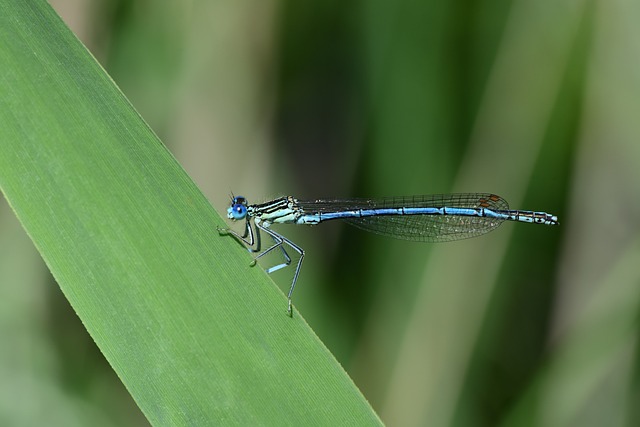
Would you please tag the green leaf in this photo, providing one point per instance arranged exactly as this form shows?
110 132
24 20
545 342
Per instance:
195 334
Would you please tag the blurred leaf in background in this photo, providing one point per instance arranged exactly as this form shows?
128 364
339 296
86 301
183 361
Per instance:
534 100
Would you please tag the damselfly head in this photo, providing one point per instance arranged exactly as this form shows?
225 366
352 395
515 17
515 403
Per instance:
238 208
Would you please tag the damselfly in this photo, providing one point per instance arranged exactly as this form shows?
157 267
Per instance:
435 218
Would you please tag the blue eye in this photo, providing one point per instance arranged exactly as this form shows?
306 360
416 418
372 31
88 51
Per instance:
238 209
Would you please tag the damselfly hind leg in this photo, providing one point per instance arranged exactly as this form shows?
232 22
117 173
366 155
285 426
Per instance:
286 263
279 240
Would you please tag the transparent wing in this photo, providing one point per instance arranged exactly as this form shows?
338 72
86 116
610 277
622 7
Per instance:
426 228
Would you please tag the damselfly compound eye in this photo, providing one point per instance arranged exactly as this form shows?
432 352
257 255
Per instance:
238 211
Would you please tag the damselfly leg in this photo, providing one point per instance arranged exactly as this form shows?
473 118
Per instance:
279 241
252 240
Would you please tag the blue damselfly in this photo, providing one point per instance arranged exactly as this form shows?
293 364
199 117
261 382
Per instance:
434 218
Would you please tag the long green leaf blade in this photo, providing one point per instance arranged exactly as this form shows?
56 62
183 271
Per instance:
196 335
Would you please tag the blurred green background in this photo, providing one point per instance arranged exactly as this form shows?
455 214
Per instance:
538 101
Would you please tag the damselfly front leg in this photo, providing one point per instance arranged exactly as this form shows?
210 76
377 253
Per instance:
253 242
242 238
